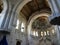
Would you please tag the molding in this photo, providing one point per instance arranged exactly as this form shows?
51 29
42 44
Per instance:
4 31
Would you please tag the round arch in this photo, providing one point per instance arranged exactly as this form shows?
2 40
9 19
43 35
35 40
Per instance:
34 18
17 8
20 5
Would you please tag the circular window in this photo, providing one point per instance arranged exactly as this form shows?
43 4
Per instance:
1 6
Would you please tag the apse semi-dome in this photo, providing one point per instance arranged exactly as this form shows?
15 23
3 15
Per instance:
41 23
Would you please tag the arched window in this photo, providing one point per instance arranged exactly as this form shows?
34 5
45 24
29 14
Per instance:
17 25
36 33
52 31
42 33
22 27
47 32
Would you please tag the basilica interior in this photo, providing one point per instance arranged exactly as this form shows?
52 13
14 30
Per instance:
29 22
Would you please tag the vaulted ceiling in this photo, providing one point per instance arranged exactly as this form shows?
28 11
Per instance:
35 5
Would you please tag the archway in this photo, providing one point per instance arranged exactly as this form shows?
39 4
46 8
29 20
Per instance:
29 25
45 38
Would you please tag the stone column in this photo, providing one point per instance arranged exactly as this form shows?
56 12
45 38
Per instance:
8 18
27 35
13 19
57 34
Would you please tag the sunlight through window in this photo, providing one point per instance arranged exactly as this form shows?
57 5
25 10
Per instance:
17 25
41 33
52 31
47 32
36 33
22 27
44 33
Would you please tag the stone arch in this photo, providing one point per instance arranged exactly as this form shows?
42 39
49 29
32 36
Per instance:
33 19
17 8
5 13
21 4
